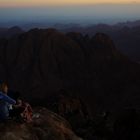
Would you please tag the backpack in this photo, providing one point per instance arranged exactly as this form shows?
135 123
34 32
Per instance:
27 113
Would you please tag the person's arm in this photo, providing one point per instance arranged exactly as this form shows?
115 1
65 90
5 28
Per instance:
7 98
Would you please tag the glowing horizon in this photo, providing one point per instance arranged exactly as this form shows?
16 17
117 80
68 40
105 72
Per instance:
82 12
32 3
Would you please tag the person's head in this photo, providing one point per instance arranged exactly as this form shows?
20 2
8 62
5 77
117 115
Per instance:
4 87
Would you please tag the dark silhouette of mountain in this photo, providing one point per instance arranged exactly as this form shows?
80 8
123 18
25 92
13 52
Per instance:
9 32
38 63
125 36
129 23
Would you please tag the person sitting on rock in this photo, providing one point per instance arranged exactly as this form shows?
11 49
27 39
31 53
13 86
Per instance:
5 102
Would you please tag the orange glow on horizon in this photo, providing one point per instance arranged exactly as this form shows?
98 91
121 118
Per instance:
22 3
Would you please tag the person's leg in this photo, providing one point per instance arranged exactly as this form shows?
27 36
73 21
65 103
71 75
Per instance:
3 115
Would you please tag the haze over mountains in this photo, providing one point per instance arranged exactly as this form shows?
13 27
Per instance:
79 14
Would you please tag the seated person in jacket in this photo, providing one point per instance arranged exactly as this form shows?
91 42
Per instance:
5 102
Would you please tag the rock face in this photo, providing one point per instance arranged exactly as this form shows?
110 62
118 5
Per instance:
125 36
40 62
45 126
70 107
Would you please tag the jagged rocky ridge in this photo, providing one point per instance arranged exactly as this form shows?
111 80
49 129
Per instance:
40 62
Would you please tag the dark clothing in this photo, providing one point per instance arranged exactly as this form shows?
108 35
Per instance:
5 101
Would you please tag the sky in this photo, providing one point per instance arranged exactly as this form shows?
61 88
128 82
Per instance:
17 12
21 3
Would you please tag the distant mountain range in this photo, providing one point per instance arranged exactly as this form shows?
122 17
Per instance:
129 23
9 32
125 35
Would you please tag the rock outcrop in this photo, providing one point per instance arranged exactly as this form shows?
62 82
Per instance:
70 107
46 125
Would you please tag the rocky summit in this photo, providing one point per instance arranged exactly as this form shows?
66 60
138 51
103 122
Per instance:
46 125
